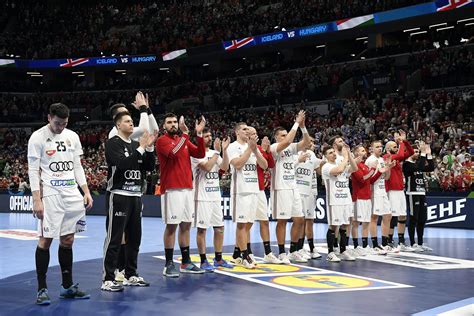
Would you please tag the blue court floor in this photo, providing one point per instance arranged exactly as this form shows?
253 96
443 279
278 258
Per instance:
398 284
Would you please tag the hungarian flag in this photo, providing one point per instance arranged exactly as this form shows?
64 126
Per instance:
359 21
174 54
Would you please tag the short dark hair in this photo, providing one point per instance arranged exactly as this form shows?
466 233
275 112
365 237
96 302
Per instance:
60 110
325 149
114 109
170 114
332 140
119 116
237 125
278 129
206 130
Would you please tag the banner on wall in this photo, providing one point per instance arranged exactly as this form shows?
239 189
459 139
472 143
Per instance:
443 211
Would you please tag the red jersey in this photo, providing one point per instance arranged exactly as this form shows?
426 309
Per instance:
361 189
396 175
174 154
271 164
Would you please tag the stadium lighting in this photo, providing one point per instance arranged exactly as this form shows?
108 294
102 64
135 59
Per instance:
416 33
436 45
33 73
37 75
276 27
353 55
445 28
17 56
164 69
320 46
464 40
361 38
435 25
120 70
464 20
205 65
469 24
77 72
81 75
362 57
409 30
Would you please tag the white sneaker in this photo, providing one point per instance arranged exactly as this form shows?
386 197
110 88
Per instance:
295 256
332 257
119 276
369 251
390 249
417 248
426 248
270 258
135 281
304 254
284 258
248 263
314 254
111 286
351 252
360 252
346 256
405 248
336 251
236 261
253 259
379 250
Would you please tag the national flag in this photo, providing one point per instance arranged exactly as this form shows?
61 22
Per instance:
74 62
7 63
174 54
234 44
445 5
359 21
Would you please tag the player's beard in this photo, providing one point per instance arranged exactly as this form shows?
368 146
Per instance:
208 144
172 131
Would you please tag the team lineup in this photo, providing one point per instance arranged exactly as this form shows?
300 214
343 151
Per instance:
363 185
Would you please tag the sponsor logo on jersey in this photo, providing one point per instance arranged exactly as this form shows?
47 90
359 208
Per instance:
63 183
249 167
68 143
61 166
212 189
120 214
50 152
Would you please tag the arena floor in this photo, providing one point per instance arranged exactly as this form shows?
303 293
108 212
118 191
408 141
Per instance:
438 283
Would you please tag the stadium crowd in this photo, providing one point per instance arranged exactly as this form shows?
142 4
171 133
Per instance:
437 117
151 27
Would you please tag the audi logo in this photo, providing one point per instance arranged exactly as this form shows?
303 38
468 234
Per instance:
212 175
340 184
133 175
250 167
303 171
59 166
288 165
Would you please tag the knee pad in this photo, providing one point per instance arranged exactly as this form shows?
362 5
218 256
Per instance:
393 222
402 221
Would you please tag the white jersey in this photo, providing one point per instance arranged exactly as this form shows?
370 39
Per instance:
304 173
337 187
314 179
244 180
206 184
283 174
378 188
137 133
56 153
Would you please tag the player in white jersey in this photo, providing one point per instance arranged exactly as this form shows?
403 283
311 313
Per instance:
338 199
55 171
147 119
147 123
284 195
244 157
207 198
307 168
380 202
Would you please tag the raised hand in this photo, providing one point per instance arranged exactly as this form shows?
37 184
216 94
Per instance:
140 100
253 142
182 125
225 143
217 144
200 125
265 143
303 157
403 135
300 118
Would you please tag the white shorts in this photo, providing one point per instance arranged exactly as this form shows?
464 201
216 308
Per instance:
177 206
362 211
286 204
208 214
380 205
262 207
339 214
244 207
398 202
63 215
308 203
